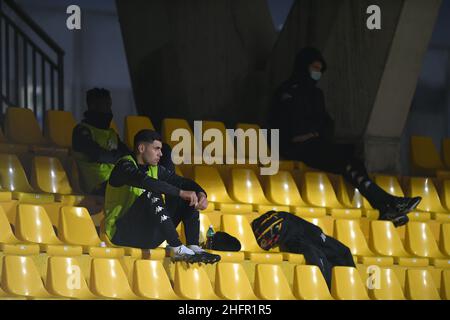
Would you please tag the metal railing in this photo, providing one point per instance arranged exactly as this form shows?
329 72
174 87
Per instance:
31 63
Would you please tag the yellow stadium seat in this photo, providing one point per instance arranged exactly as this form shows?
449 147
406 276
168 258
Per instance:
445 201
425 159
444 239
58 127
421 242
226 256
350 234
109 280
309 284
9 244
7 147
420 285
33 225
271 283
151 281
446 151
20 277
232 283
318 191
324 223
14 179
282 190
346 284
245 187
77 228
22 127
133 124
227 143
385 241
388 286
445 285
169 125
48 175
210 180
430 204
192 282
239 227
65 278
245 148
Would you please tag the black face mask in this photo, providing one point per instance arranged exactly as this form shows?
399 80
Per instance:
99 119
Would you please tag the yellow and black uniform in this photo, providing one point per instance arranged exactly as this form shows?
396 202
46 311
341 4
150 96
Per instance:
136 213
96 148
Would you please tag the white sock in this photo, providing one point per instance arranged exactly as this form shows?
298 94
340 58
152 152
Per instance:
196 249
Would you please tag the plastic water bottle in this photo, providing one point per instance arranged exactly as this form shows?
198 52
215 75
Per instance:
209 237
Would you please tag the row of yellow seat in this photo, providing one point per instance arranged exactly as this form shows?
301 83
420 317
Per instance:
383 245
426 160
105 278
233 189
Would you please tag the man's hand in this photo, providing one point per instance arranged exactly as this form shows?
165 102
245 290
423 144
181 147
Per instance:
189 196
202 201
303 138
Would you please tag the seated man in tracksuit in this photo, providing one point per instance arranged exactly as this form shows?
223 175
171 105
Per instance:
96 147
136 212
295 235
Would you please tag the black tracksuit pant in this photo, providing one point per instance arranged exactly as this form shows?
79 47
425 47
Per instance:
325 155
301 236
150 221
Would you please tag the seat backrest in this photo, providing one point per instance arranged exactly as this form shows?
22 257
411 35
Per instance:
346 284
281 188
22 127
232 282
420 240
108 279
239 227
58 127
20 276
244 186
444 238
76 227
151 280
318 190
169 125
309 283
385 240
192 282
325 223
65 278
226 140
244 148
34 225
133 124
12 174
49 175
6 233
420 285
349 233
445 284
424 187
390 184
388 286
271 283
424 153
210 180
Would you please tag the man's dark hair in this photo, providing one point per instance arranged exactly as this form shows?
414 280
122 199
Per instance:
146 135
96 94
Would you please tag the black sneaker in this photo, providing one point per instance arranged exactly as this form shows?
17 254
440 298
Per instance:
397 219
206 257
405 204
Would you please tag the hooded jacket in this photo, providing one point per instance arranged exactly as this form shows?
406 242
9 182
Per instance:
298 105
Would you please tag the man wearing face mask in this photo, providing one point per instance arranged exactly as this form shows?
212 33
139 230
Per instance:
96 147
306 134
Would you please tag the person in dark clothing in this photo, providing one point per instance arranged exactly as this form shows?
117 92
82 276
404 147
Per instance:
295 235
306 134
135 210
97 147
